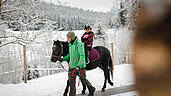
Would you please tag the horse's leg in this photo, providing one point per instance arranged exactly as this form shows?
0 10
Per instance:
67 88
106 76
104 86
84 88
109 81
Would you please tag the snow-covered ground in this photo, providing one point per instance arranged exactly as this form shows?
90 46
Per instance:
133 93
54 85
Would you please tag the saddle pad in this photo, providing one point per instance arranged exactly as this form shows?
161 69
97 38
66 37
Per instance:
94 55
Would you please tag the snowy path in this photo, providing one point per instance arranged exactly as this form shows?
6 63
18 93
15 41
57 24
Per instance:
54 85
114 91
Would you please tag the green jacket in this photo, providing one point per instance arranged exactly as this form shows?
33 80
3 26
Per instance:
76 54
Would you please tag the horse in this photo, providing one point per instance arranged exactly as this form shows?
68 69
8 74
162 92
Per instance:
61 48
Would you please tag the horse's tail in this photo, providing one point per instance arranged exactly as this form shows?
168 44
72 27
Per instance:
111 66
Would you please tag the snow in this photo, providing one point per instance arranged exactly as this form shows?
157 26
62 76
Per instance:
54 85
133 93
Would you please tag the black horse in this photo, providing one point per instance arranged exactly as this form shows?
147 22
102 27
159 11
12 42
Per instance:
104 62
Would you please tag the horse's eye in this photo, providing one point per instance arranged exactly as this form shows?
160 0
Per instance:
53 48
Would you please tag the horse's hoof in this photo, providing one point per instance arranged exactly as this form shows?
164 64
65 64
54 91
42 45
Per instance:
103 90
111 83
65 94
83 92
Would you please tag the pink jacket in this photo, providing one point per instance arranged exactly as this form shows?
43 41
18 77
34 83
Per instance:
87 39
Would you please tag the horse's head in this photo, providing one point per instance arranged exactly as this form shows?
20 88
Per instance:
57 51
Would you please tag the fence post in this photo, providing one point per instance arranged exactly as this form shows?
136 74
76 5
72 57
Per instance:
25 65
112 53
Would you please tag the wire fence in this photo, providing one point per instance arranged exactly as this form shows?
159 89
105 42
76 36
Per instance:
37 59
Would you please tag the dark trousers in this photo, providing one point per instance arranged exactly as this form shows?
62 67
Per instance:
72 81
87 49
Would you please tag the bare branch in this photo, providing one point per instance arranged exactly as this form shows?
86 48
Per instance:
4 22
59 2
13 10
4 2
10 36
12 42
19 40
7 11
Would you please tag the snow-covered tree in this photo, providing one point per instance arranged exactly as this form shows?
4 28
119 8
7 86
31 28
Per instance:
122 15
135 6
32 74
100 32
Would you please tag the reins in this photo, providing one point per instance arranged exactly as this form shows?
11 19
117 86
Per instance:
73 72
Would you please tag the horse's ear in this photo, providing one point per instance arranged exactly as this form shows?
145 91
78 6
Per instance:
57 40
66 41
54 41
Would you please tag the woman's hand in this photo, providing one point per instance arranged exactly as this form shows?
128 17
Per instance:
60 59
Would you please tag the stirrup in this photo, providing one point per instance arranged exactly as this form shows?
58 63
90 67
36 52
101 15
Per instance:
88 61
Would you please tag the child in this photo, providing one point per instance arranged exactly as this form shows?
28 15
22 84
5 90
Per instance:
87 39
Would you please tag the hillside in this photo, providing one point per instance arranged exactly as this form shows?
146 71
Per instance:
42 15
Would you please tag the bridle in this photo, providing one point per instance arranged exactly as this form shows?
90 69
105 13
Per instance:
61 52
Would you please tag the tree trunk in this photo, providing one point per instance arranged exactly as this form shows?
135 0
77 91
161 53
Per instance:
0 6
